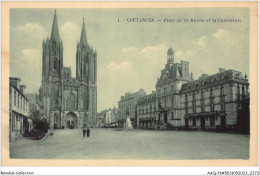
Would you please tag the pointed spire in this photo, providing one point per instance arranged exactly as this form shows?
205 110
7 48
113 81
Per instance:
55 30
83 36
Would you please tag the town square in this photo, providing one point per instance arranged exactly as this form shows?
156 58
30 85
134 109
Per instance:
86 84
134 145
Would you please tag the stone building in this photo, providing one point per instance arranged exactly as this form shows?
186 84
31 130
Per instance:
129 101
168 88
18 109
100 120
213 101
146 108
68 102
217 101
207 103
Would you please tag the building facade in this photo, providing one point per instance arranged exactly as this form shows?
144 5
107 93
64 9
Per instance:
216 101
146 108
168 88
68 102
100 119
18 109
129 101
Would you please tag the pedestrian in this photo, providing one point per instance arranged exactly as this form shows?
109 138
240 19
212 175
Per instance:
88 132
84 131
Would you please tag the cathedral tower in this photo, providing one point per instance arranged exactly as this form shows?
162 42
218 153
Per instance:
52 64
86 72
68 102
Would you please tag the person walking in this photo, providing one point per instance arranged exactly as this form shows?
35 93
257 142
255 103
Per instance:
84 131
88 132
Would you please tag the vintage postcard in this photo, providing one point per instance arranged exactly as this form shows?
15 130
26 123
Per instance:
129 84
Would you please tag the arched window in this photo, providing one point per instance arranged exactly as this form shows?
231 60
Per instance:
71 101
55 63
55 117
85 69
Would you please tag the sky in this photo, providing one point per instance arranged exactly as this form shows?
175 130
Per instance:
131 55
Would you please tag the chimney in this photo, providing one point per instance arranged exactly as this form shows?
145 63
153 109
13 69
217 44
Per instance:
221 70
15 81
22 88
203 75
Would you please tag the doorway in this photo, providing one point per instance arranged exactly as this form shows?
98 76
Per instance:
223 122
186 123
165 117
202 123
71 120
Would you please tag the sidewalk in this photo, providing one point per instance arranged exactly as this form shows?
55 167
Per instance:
23 141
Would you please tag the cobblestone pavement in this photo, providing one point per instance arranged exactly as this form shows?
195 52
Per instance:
136 144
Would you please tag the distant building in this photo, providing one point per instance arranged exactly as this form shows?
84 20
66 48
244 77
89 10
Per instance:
146 109
111 117
129 101
18 109
108 117
100 119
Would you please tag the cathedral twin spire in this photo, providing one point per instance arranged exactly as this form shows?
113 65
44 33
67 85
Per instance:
83 36
56 36
55 29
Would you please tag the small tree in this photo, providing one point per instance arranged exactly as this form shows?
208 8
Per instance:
35 113
38 119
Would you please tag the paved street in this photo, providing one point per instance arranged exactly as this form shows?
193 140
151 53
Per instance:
137 144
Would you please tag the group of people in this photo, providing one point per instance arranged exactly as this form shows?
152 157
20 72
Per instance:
86 131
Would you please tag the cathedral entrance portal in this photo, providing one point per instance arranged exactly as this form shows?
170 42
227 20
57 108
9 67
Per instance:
71 120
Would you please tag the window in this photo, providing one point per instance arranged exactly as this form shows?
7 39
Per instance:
193 96
55 63
85 69
238 90
172 102
55 118
165 102
165 90
222 91
238 93
14 98
243 93
202 94
243 90
18 100
211 92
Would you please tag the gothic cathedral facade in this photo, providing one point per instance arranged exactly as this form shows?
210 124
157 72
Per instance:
68 102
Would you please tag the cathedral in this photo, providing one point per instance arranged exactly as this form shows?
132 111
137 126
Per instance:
68 102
